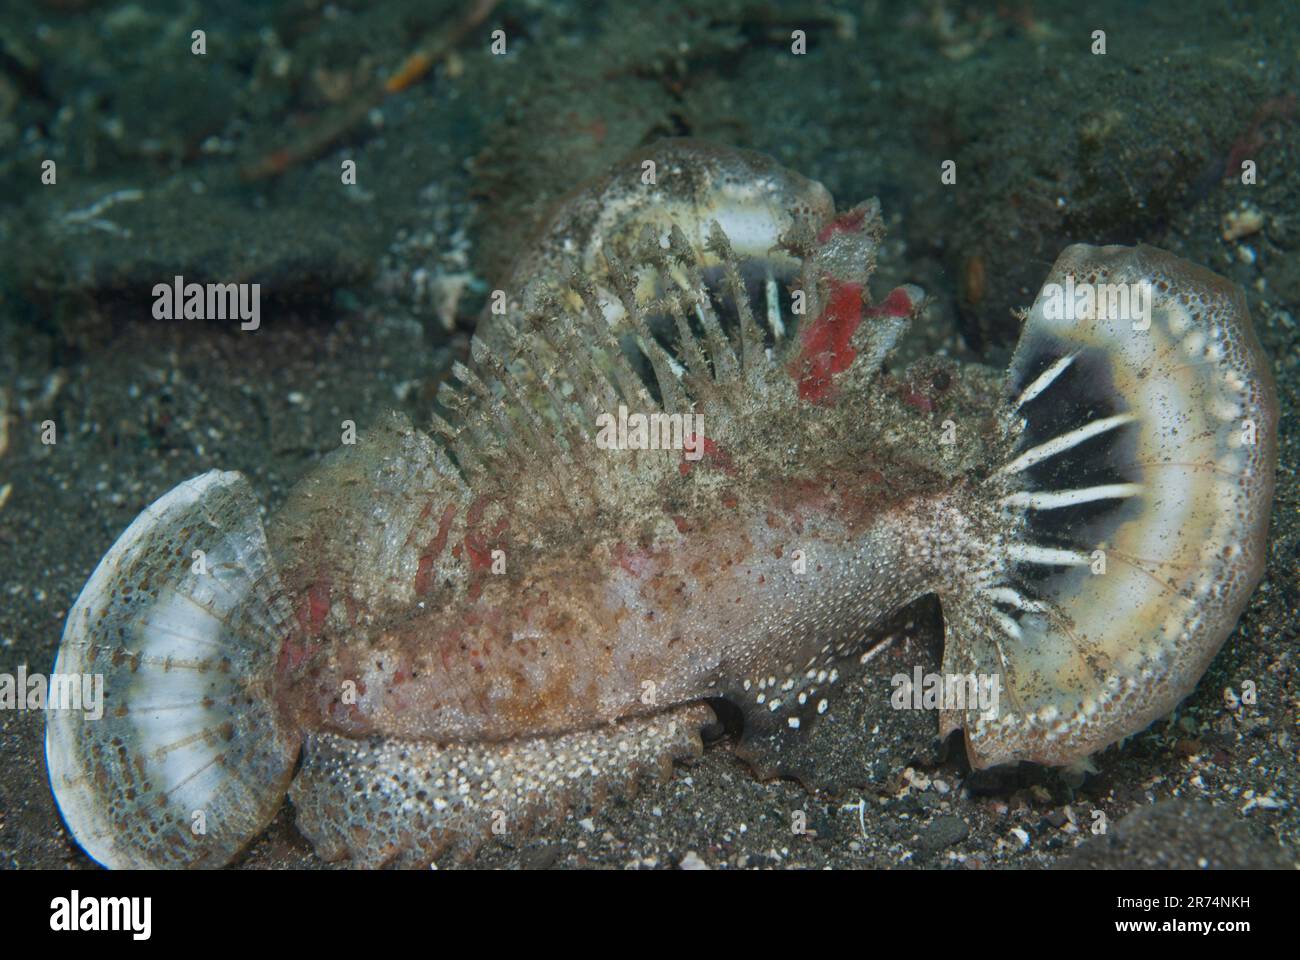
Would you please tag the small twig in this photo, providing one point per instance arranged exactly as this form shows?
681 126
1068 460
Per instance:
317 140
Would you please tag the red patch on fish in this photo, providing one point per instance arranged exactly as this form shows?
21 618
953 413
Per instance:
314 608
424 571
827 342
293 653
637 562
710 452
480 545
850 222
899 303
914 398
826 348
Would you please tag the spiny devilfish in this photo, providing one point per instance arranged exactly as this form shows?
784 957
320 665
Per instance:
509 620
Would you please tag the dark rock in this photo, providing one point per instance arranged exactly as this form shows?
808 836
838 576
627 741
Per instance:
943 832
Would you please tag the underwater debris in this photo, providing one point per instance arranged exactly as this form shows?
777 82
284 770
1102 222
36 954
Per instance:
439 45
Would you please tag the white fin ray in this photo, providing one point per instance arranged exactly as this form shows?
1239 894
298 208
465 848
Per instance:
1053 499
1066 441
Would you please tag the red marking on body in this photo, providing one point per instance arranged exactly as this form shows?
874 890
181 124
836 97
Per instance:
424 575
424 570
826 349
711 453
480 557
293 653
315 607
827 342
474 545
850 222
479 545
797 500
636 562
914 398
623 558
897 304
680 521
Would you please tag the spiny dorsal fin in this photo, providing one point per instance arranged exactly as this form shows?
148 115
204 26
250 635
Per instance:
670 388
751 338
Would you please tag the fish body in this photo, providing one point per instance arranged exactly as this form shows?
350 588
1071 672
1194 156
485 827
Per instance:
679 468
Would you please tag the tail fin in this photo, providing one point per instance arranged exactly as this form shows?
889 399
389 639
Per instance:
1137 496
183 620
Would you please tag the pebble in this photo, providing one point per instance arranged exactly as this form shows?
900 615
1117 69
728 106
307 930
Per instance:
944 832
1242 223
